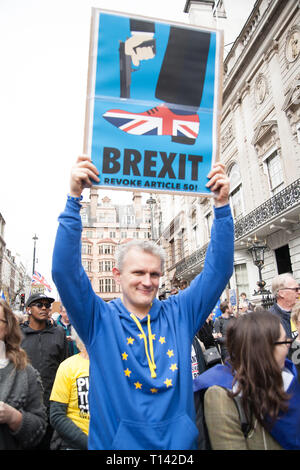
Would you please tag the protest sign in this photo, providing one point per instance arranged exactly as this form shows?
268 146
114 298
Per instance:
153 103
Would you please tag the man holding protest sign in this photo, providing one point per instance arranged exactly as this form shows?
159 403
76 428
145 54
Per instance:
141 394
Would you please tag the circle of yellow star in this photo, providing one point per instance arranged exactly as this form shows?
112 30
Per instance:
124 356
138 385
168 383
170 353
130 340
127 372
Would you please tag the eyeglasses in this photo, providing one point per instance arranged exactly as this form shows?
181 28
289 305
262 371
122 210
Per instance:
288 341
296 289
41 304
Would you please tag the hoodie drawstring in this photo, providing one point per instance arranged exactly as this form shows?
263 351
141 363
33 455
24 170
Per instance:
152 365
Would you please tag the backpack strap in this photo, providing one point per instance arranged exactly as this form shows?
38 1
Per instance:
245 425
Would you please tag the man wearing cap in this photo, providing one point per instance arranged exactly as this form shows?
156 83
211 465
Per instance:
46 346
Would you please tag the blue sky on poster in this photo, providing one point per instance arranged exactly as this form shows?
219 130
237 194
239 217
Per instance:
44 61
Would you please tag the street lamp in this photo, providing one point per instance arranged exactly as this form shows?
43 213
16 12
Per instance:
151 201
257 251
35 238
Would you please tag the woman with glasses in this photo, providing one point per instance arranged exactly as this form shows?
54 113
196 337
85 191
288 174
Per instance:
252 402
22 413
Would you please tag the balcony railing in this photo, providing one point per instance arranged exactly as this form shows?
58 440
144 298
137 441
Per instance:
286 199
273 207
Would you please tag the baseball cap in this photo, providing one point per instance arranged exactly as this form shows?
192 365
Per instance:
35 297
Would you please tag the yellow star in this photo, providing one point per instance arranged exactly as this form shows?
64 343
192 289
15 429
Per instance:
170 353
153 390
130 340
124 356
153 336
168 382
141 336
162 340
127 372
138 385
174 367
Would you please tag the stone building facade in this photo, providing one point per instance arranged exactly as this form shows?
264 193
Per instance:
260 147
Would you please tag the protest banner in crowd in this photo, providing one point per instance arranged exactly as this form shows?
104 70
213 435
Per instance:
153 103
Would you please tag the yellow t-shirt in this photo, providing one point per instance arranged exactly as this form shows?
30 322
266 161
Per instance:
71 386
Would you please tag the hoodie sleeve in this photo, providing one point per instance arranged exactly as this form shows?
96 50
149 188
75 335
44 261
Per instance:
198 300
69 276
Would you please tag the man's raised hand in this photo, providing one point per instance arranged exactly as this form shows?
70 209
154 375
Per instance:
219 184
83 175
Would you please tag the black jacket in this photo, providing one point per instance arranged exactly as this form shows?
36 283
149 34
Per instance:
46 349
205 334
285 318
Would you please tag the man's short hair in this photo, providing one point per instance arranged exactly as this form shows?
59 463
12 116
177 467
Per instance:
147 246
279 282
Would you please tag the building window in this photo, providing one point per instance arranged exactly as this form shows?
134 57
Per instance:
87 265
172 246
123 234
274 172
241 278
195 230
181 244
106 266
106 250
84 217
236 194
107 285
208 223
112 234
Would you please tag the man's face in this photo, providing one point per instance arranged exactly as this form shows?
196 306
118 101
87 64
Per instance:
288 295
64 314
39 310
139 280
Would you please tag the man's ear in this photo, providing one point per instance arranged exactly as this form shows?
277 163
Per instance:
116 273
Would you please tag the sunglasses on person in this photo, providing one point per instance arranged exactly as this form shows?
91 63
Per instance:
41 304
287 341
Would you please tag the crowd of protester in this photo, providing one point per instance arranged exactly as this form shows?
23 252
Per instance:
45 405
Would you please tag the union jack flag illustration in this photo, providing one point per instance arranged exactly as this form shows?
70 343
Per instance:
159 120
38 279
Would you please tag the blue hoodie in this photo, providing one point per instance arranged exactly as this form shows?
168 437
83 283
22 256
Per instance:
141 394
